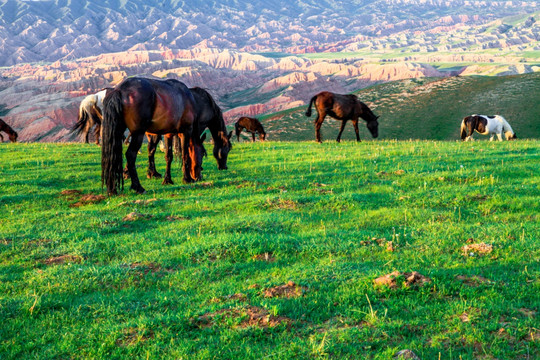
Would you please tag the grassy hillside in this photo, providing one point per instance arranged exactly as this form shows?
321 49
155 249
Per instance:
275 257
427 108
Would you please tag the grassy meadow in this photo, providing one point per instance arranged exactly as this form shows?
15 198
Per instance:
279 257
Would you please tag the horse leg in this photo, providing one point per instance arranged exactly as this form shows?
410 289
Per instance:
238 131
499 136
152 147
2 137
186 160
318 124
253 136
341 130
355 124
131 156
97 133
168 142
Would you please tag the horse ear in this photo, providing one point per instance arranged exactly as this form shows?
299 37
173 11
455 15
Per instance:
229 136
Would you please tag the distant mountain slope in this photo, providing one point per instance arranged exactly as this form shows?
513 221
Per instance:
427 108
50 30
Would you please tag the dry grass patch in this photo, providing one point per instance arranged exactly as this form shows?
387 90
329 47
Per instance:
135 215
474 280
248 316
288 290
479 249
88 200
267 256
132 336
63 259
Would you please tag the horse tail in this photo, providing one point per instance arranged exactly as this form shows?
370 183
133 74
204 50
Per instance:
81 124
308 111
111 147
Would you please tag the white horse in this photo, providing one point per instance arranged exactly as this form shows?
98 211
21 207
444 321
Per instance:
90 114
486 125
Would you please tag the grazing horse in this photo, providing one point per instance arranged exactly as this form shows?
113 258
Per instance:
162 107
344 108
252 126
90 114
12 134
486 125
208 115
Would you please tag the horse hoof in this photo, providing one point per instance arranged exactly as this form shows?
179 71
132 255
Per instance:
154 175
167 182
139 190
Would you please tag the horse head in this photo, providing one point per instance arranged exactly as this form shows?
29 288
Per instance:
222 148
262 136
370 118
196 153
13 137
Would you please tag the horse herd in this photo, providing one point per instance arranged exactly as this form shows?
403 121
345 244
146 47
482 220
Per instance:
168 109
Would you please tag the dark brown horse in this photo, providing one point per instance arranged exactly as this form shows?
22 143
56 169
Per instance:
162 107
208 115
344 108
12 135
251 125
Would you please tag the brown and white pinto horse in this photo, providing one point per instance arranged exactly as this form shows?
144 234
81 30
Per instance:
251 125
486 125
12 134
90 114
344 108
163 107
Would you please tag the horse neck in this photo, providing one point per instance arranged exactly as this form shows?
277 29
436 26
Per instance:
506 126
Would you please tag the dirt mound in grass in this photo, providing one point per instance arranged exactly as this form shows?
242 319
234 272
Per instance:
406 279
249 316
135 215
289 290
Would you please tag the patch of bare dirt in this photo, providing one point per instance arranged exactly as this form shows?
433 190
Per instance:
176 218
397 172
132 336
135 215
407 279
474 280
237 297
71 192
479 249
147 268
6 242
249 316
281 204
288 290
267 256
88 199
63 259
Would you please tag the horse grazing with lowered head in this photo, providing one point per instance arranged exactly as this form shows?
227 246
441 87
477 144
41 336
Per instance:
486 125
208 115
252 126
90 114
12 134
344 108
161 107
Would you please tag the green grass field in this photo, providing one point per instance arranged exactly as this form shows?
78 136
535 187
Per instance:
275 258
